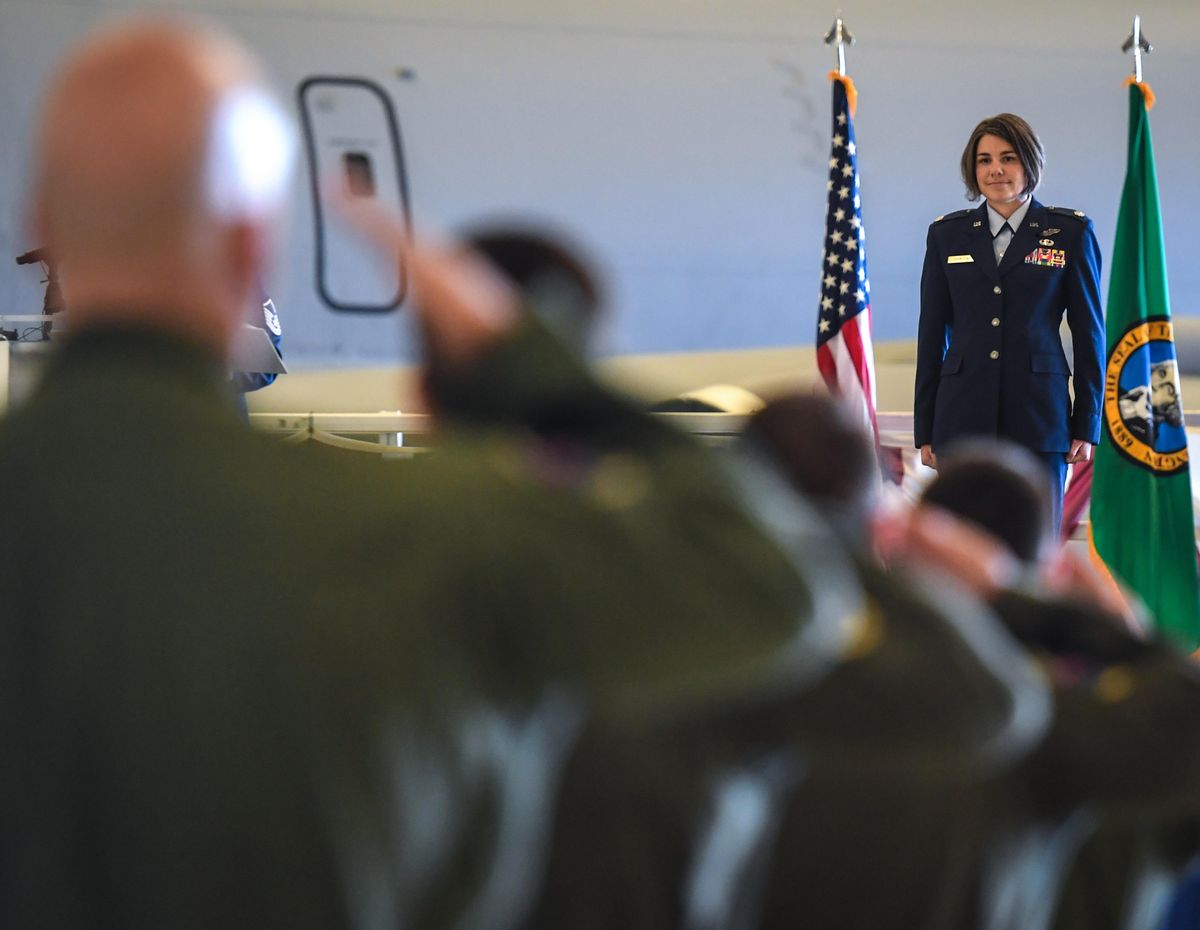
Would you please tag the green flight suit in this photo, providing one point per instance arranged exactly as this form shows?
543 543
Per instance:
1123 750
244 685
790 809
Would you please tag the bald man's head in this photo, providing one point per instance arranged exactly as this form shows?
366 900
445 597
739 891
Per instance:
160 158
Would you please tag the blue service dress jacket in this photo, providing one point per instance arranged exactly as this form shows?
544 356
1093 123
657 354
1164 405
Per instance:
990 359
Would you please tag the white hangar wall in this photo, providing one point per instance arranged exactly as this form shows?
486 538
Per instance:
684 142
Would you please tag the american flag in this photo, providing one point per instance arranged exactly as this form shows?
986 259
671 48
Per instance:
844 354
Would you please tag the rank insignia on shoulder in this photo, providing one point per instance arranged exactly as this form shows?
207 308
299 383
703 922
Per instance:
1067 211
951 216
1047 258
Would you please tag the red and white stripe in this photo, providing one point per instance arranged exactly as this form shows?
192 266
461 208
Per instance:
847 364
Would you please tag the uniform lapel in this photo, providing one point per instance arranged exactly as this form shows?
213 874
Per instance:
1024 239
979 241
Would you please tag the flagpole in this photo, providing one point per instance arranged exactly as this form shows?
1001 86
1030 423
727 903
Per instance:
845 357
1142 521
1138 43
840 37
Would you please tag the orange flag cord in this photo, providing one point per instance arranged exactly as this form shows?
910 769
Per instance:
851 90
1147 93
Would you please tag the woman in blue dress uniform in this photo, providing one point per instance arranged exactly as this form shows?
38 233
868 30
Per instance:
996 284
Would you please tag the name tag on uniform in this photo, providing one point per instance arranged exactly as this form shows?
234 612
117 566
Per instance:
959 259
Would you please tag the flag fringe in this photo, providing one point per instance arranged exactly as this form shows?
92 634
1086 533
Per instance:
1098 560
851 90
1147 93
1105 573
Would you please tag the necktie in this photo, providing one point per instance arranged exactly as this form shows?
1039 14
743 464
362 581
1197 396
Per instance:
1001 241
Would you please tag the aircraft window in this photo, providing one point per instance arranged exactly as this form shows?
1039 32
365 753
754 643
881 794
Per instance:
352 139
360 177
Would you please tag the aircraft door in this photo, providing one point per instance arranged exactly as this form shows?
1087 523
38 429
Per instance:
352 140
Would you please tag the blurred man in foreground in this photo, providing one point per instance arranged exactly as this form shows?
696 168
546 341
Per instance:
365 730
1103 816
825 808
362 730
870 847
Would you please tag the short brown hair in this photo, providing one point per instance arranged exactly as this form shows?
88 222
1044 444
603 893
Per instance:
1017 133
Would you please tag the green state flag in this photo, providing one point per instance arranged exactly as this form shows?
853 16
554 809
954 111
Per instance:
1141 510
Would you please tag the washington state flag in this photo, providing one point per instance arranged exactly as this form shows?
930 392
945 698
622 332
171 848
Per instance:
1141 511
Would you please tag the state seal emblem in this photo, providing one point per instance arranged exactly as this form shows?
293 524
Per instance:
1143 411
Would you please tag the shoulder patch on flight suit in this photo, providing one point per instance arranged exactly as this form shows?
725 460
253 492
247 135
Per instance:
950 216
1067 211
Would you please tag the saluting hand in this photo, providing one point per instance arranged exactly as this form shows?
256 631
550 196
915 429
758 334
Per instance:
934 539
464 304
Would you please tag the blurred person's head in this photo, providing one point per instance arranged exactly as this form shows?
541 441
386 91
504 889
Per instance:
553 278
547 276
161 161
1000 488
826 454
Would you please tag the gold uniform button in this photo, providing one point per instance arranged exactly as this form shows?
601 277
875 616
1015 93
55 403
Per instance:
993 354
997 290
995 321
